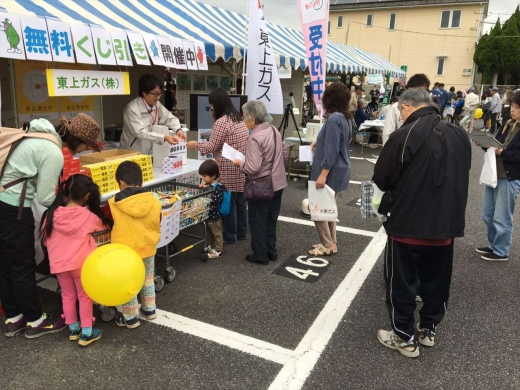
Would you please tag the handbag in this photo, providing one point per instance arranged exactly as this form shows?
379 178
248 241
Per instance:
261 189
367 194
390 197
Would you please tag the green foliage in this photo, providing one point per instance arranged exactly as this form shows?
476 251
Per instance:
499 51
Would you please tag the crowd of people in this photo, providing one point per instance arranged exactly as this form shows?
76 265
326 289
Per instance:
424 215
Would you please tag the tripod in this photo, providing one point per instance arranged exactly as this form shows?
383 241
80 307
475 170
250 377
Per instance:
285 122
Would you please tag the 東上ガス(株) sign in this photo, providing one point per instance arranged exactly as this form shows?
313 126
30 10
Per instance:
62 82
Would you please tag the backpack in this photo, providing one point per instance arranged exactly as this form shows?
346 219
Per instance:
225 206
9 141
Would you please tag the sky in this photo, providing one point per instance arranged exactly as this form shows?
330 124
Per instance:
285 12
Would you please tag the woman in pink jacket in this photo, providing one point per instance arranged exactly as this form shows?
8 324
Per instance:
67 228
265 155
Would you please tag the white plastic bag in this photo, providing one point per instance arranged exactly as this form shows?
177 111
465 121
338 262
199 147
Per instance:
488 176
376 202
322 203
466 119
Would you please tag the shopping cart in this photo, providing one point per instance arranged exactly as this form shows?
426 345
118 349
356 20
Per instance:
194 210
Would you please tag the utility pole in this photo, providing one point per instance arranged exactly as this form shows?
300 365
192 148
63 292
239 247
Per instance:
348 29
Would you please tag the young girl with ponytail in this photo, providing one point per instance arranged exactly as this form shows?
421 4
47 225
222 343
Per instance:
66 230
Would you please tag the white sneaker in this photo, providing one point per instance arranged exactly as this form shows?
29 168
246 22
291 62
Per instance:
426 336
390 340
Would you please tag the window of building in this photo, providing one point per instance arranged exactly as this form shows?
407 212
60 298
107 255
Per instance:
451 19
370 20
328 29
440 66
392 21
340 21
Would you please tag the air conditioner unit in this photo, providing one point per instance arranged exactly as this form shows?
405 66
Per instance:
466 72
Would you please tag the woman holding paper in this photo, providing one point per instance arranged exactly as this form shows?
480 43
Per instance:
266 156
331 163
229 128
499 202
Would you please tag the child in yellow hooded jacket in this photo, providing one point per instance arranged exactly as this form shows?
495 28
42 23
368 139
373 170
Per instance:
137 224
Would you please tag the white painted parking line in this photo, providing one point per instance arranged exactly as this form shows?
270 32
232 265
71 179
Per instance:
338 228
225 337
295 372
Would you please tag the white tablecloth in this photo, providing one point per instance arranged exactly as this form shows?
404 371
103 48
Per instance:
291 141
368 124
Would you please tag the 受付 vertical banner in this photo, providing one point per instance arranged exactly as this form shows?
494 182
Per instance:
262 82
314 15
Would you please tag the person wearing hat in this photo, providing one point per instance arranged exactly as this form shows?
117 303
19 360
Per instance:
471 102
495 109
358 94
145 111
40 161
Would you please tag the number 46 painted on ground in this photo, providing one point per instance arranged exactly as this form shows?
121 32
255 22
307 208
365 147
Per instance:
304 273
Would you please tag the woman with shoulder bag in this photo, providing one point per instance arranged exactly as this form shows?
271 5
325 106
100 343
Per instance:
499 202
266 157
331 162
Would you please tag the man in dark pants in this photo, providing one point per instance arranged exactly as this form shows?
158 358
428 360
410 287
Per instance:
427 213
495 109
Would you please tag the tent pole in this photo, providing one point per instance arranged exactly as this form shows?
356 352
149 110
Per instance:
246 36
14 93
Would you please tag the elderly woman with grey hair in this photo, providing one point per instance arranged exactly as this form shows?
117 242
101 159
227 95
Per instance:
265 156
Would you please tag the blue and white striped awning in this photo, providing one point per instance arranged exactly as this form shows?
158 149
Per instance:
222 32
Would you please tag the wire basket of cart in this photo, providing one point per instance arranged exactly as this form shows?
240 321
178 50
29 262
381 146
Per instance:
184 205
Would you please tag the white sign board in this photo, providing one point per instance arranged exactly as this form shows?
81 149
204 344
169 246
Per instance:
170 223
36 38
284 73
83 43
138 48
61 41
11 37
191 55
200 53
103 46
154 49
166 48
375 78
178 53
62 82
121 48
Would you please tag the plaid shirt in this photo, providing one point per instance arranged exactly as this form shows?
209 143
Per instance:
235 135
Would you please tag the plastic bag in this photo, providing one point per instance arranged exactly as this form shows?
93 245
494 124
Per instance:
488 176
466 119
322 203
376 202
367 197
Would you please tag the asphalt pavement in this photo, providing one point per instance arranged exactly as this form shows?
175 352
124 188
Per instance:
229 324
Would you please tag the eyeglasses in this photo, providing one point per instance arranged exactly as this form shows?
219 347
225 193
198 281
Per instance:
155 94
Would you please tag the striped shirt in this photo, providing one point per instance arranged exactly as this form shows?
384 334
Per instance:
235 135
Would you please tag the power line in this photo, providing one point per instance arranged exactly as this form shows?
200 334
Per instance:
417 32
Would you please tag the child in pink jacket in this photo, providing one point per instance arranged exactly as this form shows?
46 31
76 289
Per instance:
66 231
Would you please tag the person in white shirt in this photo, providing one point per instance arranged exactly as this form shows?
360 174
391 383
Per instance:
496 108
471 102
393 119
145 111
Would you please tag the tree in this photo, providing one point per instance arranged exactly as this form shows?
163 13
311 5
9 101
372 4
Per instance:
510 49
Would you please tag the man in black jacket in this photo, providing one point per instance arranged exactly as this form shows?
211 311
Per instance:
428 212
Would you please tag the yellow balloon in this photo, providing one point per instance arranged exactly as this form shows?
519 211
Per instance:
479 113
113 274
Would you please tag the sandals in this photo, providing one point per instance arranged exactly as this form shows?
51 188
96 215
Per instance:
213 254
320 250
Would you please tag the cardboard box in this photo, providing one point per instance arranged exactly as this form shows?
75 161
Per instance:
73 164
67 155
108 155
171 165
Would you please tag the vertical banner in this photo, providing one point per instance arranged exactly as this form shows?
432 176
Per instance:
262 82
61 41
36 38
314 16
200 53
139 48
83 44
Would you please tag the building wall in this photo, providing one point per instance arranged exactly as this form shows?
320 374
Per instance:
417 40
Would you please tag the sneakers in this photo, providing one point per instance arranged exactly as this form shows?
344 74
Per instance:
390 340
74 335
251 259
149 314
85 341
484 250
130 324
46 327
15 328
426 336
213 254
494 257
418 298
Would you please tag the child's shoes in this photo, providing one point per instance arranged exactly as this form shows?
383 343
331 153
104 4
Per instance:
85 341
149 315
214 254
130 324
74 335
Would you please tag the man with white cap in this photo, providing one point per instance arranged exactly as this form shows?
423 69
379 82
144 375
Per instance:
496 108
471 102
